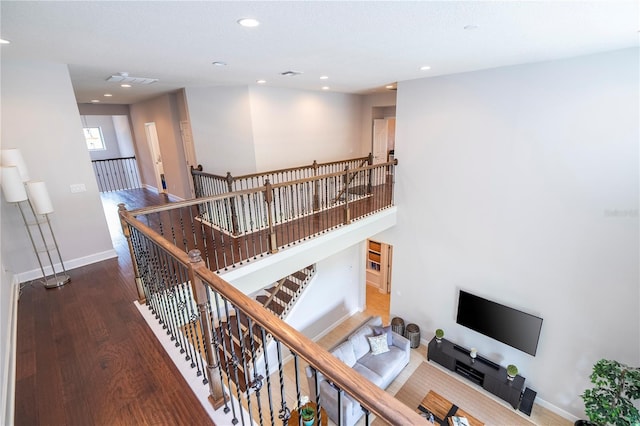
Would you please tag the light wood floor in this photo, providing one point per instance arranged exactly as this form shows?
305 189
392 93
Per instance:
487 404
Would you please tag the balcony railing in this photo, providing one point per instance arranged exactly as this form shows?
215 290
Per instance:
236 227
208 184
217 328
115 174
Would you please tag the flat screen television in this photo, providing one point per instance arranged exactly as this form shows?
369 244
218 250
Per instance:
507 325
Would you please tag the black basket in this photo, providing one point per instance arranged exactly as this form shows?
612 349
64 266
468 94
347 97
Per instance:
397 325
412 333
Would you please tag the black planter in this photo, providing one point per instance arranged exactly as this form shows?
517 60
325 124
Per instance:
584 423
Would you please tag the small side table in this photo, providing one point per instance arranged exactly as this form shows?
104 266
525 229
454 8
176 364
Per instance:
293 420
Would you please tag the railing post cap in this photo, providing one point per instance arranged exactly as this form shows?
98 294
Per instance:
195 256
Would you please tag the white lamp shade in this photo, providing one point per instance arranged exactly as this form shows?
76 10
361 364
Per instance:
13 157
12 185
39 197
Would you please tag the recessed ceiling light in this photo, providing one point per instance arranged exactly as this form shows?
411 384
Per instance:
108 95
95 101
248 22
3 41
219 64
324 77
425 68
125 85
326 87
261 81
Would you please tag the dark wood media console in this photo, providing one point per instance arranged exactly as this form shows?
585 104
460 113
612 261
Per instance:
491 376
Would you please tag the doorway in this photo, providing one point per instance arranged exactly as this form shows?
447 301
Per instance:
379 260
156 155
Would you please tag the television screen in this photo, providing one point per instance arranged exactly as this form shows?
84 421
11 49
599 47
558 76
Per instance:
510 326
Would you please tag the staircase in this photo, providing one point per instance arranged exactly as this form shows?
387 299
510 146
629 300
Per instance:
280 298
235 352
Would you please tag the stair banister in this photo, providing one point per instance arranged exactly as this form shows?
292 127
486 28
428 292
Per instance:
371 397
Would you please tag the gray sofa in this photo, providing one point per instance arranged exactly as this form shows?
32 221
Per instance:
355 351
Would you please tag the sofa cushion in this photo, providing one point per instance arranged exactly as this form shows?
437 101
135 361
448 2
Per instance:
386 365
386 331
378 344
344 352
369 374
359 341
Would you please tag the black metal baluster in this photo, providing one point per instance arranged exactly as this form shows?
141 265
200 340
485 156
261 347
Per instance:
224 339
267 371
256 383
234 356
284 413
239 318
215 341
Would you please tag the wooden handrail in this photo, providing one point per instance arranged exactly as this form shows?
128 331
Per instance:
362 390
275 291
289 169
346 186
195 201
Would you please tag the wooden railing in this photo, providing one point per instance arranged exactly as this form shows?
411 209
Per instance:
215 326
115 174
208 184
237 227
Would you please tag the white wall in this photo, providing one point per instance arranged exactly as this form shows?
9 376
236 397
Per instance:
221 128
8 330
379 101
163 111
295 127
40 117
122 128
520 184
105 122
335 293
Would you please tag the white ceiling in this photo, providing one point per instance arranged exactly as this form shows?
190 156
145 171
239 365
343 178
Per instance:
361 45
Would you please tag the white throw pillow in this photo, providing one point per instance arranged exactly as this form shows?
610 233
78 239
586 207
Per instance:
378 344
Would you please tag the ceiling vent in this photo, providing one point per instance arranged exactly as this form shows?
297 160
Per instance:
123 77
291 73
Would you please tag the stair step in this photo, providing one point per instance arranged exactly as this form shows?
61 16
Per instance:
293 286
300 275
276 308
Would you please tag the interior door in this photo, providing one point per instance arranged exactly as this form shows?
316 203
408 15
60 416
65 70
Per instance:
156 156
189 151
380 140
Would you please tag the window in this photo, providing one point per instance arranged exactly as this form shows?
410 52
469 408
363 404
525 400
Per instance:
93 136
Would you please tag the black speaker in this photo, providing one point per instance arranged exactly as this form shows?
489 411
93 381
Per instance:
526 403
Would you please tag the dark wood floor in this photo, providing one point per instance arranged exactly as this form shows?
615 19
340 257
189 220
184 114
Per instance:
85 356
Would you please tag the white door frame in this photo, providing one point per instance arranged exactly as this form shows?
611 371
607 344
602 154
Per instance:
156 156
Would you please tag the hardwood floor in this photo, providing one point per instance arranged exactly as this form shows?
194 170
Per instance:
85 356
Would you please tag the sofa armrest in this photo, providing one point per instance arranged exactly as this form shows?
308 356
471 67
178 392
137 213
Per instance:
400 341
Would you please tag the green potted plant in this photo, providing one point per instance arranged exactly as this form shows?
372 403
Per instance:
308 415
512 371
611 400
439 335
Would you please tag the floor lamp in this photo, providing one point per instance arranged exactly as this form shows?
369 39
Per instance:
41 204
14 176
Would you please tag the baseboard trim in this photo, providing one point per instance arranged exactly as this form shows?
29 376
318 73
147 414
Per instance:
9 358
559 411
154 189
35 274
